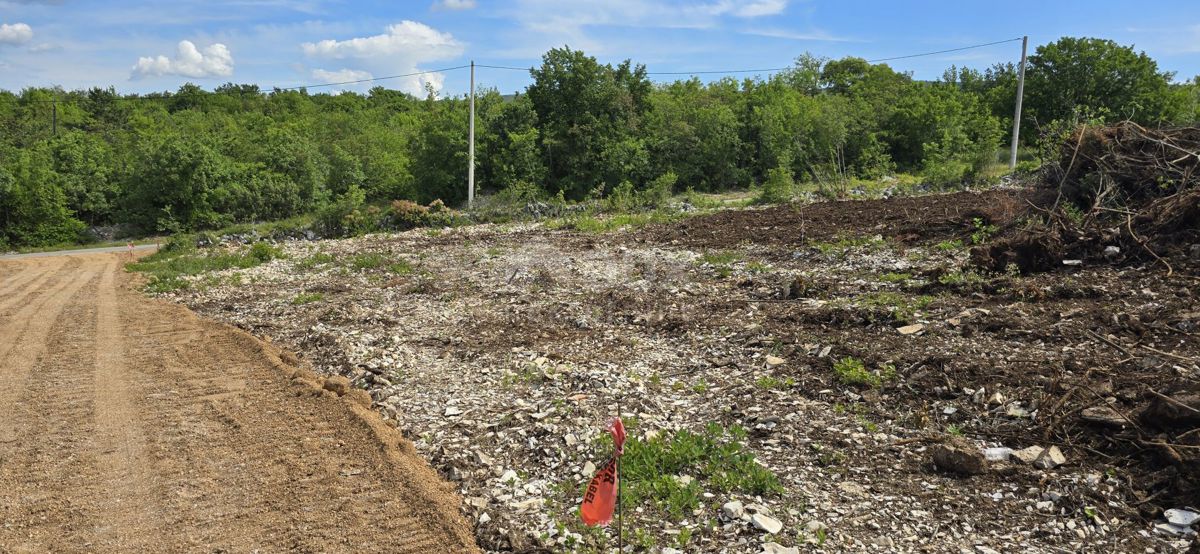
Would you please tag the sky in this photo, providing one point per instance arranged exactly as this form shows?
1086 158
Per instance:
156 46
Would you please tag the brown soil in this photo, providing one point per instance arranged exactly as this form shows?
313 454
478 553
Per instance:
904 219
131 425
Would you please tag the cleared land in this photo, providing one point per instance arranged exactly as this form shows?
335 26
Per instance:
774 333
130 425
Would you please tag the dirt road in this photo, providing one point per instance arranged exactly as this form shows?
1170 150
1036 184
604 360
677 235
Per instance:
131 425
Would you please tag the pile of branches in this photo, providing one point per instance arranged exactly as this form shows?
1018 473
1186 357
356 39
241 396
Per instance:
1126 165
1120 193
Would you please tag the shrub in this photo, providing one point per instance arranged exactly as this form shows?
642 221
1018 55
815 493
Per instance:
851 371
779 186
406 214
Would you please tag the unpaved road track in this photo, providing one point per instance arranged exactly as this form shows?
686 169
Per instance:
131 425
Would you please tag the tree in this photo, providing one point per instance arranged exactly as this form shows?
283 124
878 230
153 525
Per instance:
590 116
1093 78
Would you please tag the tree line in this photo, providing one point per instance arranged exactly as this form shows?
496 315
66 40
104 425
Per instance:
193 159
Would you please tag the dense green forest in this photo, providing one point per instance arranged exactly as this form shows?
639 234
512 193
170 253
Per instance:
194 159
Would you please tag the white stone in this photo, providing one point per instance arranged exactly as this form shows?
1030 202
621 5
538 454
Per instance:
1000 454
1181 518
1050 459
775 360
508 476
767 523
484 518
776 548
452 411
733 509
1028 455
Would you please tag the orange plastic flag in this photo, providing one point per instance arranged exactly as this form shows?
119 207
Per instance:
601 496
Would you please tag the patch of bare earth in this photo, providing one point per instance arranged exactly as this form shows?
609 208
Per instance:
502 352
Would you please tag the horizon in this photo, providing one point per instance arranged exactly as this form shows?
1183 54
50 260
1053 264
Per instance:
141 49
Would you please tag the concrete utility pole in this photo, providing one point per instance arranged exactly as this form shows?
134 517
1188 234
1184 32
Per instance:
471 147
1012 160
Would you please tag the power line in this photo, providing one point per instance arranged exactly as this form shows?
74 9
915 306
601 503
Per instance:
372 79
239 91
944 51
512 68
774 69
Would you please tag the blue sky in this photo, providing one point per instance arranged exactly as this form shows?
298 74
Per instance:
148 46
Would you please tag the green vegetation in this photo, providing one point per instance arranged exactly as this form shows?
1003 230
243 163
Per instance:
852 371
901 307
893 277
307 298
654 469
348 163
315 260
166 269
844 244
770 382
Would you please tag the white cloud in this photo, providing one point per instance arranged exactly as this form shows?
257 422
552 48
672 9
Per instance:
407 38
454 4
214 61
754 8
813 35
400 50
341 75
16 33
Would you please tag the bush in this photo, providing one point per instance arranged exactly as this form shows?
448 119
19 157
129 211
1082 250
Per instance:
779 186
406 214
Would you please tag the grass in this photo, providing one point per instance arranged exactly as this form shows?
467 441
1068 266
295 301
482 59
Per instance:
168 268
307 298
959 278
318 259
771 382
893 277
594 224
720 257
652 469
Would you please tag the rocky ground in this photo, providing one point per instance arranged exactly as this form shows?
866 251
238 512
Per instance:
903 401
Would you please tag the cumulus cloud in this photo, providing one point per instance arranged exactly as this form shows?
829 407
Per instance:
16 33
407 38
213 61
400 50
454 4
341 75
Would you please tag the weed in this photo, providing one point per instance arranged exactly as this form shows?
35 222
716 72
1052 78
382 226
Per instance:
700 388
902 308
960 278
652 467
400 267
770 382
983 231
950 245
720 257
307 298
367 260
265 252
320 258
851 371
954 430
893 277
757 267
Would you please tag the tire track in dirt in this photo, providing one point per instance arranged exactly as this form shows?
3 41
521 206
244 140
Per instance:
25 339
27 283
45 458
120 433
130 425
